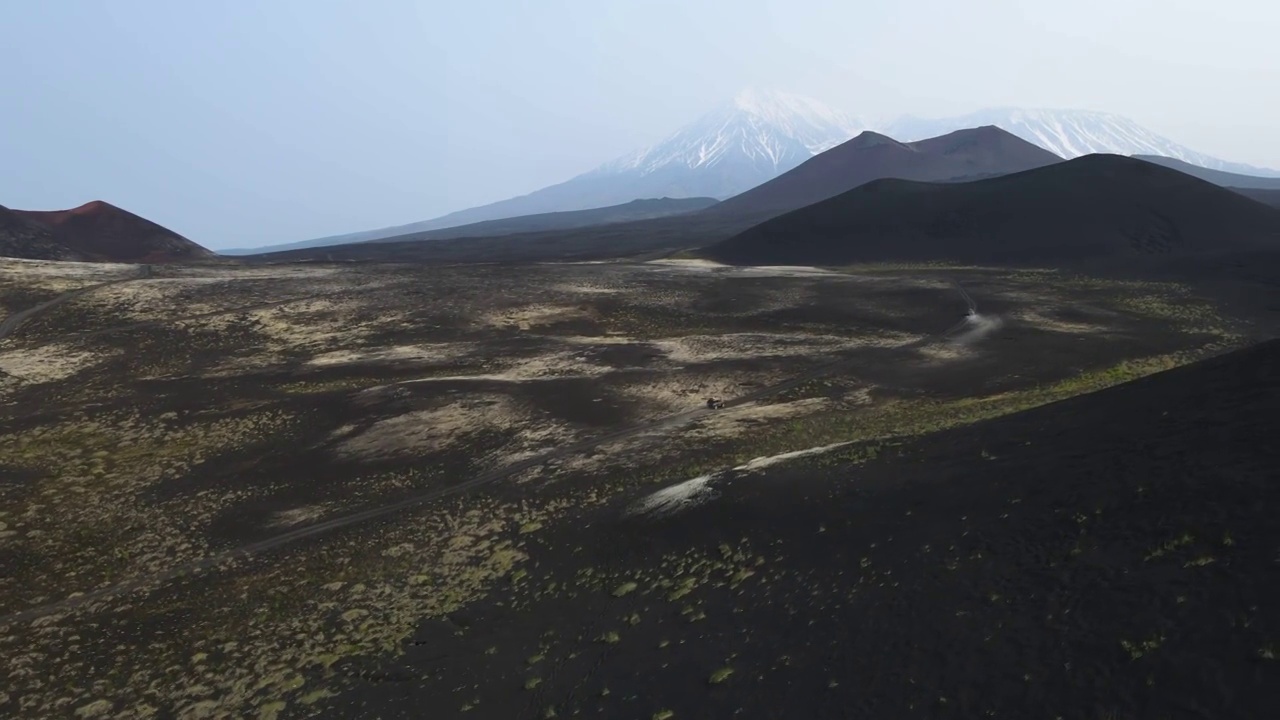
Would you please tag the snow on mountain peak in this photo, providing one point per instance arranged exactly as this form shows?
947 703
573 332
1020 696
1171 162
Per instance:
759 134
1068 133
767 130
783 108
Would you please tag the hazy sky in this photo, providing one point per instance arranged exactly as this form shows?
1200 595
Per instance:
251 123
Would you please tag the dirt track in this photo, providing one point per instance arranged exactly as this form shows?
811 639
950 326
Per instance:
14 321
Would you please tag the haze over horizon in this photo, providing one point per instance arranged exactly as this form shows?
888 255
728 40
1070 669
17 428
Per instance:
242 126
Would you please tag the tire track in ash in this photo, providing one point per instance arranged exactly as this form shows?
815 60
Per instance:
276 541
16 320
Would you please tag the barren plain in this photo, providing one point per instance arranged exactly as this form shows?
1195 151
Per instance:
246 491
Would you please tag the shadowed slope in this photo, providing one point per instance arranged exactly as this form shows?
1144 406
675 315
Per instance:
1111 555
1217 177
1267 197
1096 206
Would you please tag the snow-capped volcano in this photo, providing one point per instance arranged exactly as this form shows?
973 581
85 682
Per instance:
1069 133
761 134
754 137
768 131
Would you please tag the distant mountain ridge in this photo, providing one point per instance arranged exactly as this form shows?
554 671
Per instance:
1262 195
571 219
1217 177
96 231
734 147
759 135
965 155
962 155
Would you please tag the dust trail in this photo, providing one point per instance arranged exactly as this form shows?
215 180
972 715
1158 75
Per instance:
973 306
696 491
763 462
689 493
977 327
670 500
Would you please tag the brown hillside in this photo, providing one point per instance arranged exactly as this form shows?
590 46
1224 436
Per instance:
22 238
103 232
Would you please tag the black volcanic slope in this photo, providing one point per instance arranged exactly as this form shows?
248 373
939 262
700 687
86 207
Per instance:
1267 197
962 155
1217 177
1092 207
1109 556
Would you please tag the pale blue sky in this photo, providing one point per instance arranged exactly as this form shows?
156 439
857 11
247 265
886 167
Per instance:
245 123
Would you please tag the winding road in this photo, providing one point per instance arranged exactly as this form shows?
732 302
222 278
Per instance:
276 541
11 324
